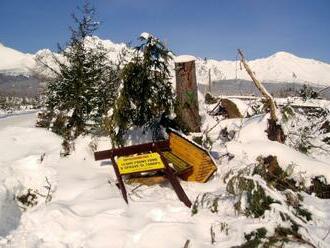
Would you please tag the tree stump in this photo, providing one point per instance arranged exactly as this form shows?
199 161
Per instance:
231 108
186 91
275 132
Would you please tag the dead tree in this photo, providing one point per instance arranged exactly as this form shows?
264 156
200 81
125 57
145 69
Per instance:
275 131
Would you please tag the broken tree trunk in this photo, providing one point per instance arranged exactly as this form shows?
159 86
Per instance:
274 131
260 87
186 90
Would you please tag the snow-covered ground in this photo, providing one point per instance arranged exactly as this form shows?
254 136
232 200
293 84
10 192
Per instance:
84 207
87 209
23 111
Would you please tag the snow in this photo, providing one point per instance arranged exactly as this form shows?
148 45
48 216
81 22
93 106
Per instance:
87 209
113 49
14 62
184 58
145 35
302 164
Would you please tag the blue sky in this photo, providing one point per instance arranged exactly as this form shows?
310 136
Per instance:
204 28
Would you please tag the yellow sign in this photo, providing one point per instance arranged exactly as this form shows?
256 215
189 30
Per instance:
140 163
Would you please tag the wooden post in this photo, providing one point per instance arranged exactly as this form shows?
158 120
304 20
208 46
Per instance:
174 181
210 81
120 179
186 90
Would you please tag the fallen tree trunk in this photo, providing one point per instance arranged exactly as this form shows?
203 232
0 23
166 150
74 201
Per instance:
261 88
274 130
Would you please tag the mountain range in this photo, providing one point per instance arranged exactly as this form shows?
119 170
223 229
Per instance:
281 67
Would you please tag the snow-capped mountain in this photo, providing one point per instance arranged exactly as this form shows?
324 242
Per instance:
47 56
279 67
13 62
113 48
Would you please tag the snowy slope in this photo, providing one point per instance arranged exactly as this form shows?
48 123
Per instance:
14 62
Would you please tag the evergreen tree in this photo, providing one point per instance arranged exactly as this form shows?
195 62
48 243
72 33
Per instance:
86 82
146 95
307 92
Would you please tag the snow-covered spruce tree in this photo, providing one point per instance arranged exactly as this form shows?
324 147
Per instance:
307 92
146 96
85 84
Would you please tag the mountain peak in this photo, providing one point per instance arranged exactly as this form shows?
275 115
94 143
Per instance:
283 54
15 62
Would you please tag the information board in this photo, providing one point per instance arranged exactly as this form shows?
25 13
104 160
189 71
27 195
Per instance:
139 163
128 163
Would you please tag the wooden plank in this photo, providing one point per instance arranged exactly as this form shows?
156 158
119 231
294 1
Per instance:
129 150
150 180
184 149
204 171
202 164
135 149
101 155
179 165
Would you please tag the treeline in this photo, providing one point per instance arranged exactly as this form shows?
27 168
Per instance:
12 104
247 88
92 94
19 85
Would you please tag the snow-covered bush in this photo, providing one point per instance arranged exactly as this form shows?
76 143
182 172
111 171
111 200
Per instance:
264 192
308 129
27 199
10 104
